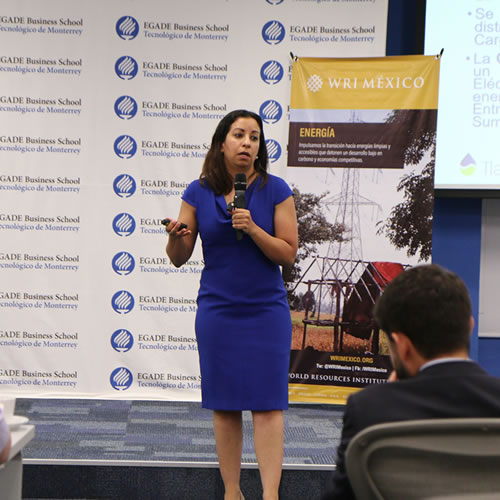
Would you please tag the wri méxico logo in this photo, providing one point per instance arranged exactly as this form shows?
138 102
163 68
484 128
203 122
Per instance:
314 83
273 32
121 378
122 340
127 28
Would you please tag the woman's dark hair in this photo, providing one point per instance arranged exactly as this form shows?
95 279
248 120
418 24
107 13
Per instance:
214 171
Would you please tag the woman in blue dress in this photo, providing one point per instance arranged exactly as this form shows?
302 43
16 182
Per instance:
243 324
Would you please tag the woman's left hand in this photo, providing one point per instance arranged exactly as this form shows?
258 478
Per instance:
242 219
281 247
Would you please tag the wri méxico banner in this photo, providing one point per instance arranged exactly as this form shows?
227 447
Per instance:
363 134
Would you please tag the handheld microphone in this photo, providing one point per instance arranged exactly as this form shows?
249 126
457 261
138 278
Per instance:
240 186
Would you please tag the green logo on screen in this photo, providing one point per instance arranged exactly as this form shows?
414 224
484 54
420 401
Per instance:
468 165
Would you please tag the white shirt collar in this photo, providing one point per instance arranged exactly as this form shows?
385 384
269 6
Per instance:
438 361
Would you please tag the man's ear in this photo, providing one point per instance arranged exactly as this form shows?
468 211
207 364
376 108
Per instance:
471 324
408 353
403 345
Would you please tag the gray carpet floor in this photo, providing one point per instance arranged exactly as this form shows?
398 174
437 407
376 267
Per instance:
163 433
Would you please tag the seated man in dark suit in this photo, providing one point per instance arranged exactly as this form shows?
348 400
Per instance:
426 314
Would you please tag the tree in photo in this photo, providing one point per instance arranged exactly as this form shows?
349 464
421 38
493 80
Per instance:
313 229
409 224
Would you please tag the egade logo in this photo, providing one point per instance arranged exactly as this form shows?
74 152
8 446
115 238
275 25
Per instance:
273 150
126 68
125 147
273 32
270 111
126 107
271 72
123 263
124 224
123 302
127 28
124 186
122 340
121 378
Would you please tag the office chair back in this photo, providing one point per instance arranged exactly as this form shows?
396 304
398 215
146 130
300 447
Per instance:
439 459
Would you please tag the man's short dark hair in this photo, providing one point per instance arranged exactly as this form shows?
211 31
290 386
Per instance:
431 306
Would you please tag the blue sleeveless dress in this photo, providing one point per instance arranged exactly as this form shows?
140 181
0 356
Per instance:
243 325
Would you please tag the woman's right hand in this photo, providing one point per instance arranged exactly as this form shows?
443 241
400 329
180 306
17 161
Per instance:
177 229
181 240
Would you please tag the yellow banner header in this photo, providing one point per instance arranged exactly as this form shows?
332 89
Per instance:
398 82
